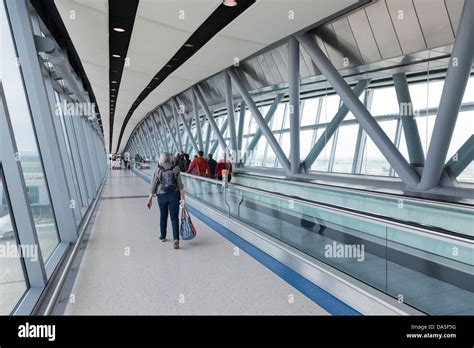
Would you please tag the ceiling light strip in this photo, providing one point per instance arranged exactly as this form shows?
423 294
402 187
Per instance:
122 15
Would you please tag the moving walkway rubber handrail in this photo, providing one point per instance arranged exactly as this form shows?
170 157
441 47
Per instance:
444 234
361 191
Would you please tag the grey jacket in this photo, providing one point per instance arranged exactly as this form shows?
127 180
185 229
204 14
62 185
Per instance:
155 182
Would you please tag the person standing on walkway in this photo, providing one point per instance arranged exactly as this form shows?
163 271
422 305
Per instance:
200 166
212 165
169 188
224 164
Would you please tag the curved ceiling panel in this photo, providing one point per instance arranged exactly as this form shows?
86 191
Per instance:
240 39
161 28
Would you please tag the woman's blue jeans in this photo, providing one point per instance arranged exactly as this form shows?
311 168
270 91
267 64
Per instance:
169 203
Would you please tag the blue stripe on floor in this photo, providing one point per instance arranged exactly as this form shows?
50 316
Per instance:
321 297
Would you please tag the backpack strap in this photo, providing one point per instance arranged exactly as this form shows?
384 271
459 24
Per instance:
160 168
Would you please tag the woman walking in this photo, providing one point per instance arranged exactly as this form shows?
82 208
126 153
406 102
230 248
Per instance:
169 188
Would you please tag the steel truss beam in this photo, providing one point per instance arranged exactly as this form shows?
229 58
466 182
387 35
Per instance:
268 118
383 142
160 128
457 75
361 137
332 127
153 139
224 126
157 133
410 129
167 125
231 117
267 133
241 126
178 132
294 103
208 137
210 118
198 121
185 125
144 141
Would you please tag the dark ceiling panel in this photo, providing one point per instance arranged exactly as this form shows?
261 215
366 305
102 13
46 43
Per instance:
121 19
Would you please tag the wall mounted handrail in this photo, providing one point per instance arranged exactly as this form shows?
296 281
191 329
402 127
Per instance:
275 176
467 240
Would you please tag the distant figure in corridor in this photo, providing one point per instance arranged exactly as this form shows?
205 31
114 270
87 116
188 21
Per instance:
200 166
212 165
224 164
187 160
182 161
169 188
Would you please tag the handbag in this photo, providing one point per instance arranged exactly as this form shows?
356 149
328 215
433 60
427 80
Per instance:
187 229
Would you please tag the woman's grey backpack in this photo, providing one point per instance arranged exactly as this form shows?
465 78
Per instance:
168 179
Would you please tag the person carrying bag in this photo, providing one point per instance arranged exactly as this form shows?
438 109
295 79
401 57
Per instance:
169 188
187 229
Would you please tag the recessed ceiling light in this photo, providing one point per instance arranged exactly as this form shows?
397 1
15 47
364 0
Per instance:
155 78
116 55
188 45
113 89
120 30
113 81
168 66
229 3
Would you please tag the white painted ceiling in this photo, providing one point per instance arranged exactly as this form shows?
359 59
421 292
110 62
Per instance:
160 30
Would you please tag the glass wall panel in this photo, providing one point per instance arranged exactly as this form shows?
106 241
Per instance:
322 162
309 112
278 116
285 143
68 148
462 131
374 163
306 142
469 92
384 102
468 174
329 108
426 95
425 128
12 279
345 148
256 157
253 124
25 138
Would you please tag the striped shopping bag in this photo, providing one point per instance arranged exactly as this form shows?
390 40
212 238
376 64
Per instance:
187 229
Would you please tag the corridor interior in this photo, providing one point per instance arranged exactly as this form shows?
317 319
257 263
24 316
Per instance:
125 269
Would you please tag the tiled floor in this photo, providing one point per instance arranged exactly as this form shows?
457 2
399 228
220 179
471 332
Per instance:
125 269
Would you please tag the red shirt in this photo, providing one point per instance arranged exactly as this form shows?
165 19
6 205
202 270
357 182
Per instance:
201 166
221 166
